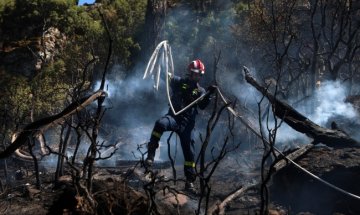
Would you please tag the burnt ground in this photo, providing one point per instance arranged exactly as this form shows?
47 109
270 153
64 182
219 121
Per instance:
340 167
120 190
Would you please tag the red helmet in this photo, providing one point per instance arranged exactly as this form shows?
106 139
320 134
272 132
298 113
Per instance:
197 66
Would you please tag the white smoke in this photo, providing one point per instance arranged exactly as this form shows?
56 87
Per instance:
330 99
133 106
124 89
329 103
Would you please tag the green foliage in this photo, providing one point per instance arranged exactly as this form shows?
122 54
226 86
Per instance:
50 89
79 22
124 18
44 95
36 15
86 28
15 96
241 6
5 7
46 91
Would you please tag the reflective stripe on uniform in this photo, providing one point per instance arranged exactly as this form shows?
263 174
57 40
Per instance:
189 164
156 134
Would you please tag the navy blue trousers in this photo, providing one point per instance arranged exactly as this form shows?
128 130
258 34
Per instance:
184 129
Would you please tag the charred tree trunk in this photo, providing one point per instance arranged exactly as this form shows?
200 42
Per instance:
31 144
3 145
330 137
61 143
99 113
154 18
62 150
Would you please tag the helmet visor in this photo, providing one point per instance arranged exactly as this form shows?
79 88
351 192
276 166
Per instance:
198 71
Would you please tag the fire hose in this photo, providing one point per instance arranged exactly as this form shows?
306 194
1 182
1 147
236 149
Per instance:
167 56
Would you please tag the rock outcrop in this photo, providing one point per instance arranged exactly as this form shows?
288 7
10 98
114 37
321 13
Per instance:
27 56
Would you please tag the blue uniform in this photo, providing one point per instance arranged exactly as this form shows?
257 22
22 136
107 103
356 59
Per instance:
184 91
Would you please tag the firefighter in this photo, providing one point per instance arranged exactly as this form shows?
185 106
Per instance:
184 91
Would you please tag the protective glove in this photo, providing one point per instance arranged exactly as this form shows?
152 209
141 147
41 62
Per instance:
211 89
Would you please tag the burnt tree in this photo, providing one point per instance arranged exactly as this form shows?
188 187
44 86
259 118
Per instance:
331 137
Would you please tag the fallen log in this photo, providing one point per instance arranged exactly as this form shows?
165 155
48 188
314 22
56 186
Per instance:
330 137
38 127
292 156
21 154
219 208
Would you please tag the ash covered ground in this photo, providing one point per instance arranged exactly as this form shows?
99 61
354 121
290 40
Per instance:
121 189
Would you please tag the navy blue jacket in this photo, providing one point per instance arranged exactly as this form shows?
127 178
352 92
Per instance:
185 91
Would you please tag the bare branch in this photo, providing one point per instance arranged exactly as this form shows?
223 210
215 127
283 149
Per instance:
41 125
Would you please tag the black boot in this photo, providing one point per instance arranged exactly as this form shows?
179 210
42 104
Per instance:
150 155
190 187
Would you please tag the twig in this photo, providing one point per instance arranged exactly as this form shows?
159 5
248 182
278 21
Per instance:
219 208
